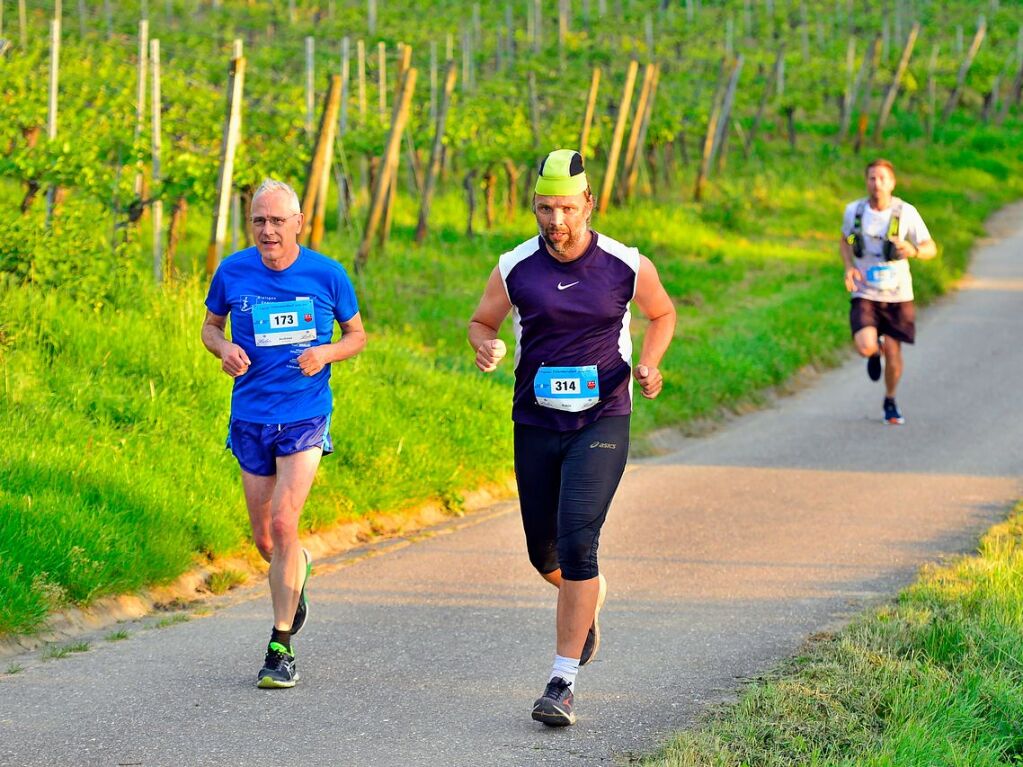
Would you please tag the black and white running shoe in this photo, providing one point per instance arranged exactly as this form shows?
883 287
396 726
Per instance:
554 707
874 366
593 636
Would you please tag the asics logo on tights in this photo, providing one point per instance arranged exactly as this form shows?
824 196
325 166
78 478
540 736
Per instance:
604 445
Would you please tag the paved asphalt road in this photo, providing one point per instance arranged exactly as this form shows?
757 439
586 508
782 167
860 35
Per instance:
722 557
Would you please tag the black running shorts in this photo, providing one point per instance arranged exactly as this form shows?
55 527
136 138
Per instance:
895 320
566 481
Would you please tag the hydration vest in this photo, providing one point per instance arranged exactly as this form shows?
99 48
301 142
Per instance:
855 238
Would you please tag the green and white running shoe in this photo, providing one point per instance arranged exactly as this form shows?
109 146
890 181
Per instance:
302 611
278 668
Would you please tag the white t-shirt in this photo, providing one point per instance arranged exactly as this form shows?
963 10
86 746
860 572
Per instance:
887 281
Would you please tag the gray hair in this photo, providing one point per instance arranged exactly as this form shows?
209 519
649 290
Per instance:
270 185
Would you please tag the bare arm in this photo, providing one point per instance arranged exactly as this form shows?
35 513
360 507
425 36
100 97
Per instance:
352 341
233 359
486 322
655 303
852 273
923 250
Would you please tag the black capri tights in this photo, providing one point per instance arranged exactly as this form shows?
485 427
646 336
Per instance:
566 481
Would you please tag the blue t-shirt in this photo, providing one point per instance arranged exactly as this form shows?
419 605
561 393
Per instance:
275 316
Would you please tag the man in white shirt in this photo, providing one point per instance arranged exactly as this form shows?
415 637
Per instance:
880 233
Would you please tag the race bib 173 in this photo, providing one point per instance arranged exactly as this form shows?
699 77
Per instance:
284 322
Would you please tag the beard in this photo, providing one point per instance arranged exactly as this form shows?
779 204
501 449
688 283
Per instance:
563 245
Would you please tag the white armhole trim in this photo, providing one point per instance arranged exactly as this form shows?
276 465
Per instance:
513 258
625 254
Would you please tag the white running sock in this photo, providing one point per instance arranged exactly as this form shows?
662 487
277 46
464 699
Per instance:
566 668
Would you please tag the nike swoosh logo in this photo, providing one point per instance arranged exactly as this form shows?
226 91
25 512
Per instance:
566 287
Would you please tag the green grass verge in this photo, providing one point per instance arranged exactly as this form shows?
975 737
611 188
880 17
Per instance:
112 415
934 679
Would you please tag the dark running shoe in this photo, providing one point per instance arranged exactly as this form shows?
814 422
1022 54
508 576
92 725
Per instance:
891 413
554 707
874 366
593 636
302 611
278 668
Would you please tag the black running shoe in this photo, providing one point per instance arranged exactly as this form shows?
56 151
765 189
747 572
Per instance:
278 668
302 611
554 707
892 415
874 366
592 643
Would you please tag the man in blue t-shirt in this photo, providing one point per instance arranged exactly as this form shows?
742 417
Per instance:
283 300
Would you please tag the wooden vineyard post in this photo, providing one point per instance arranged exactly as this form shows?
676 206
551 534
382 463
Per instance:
964 68
633 143
140 100
154 55
228 146
319 166
932 93
51 118
404 61
861 130
320 213
708 140
591 101
616 139
512 172
22 24
893 89
721 134
401 112
490 188
346 79
865 66
764 97
344 182
435 152
847 94
382 79
174 230
360 55
469 185
1013 97
433 81
643 118
310 84
534 108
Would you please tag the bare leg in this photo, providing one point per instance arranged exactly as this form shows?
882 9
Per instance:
577 601
893 365
553 578
258 492
287 565
866 342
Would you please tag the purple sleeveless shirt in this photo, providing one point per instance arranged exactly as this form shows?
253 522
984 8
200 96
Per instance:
571 314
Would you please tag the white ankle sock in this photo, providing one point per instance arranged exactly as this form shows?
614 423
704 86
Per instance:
566 668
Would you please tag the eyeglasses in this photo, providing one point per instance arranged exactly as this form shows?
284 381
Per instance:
276 221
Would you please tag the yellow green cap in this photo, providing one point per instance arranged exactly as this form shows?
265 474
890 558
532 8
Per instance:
561 174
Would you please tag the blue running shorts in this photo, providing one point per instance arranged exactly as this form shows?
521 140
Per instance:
257 445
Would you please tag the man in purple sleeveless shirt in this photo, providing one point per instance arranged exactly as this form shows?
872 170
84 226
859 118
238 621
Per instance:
569 292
